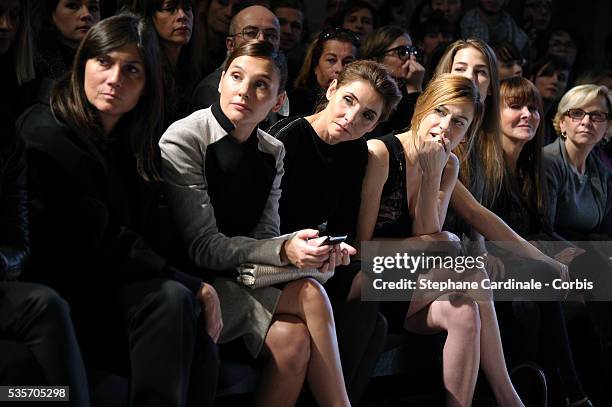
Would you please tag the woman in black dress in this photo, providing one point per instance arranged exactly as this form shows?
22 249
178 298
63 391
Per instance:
406 193
325 160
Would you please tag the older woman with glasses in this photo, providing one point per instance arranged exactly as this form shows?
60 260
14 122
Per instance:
580 188
392 46
580 196
326 56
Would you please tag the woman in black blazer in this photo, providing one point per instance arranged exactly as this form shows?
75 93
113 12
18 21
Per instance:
93 176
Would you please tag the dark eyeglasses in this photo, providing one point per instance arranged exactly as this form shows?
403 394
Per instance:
252 33
404 51
578 114
331 33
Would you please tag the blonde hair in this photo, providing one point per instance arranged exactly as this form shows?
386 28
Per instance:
448 89
487 141
581 95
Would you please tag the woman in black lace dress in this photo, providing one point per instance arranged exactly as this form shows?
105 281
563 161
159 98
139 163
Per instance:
408 184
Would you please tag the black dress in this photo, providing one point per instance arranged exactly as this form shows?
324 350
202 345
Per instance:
394 219
322 182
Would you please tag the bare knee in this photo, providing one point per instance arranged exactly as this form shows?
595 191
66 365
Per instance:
449 242
313 298
445 236
462 315
289 343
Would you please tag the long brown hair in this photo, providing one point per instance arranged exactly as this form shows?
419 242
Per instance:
529 168
487 144
23 47
70 104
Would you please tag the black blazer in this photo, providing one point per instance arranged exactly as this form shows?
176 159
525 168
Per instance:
14 244
92 215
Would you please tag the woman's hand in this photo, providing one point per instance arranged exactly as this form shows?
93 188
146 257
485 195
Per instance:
495 268
340 255
433 154
304 250
413 74
211 310
567 255
563 271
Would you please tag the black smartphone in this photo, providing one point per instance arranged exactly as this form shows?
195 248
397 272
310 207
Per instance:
333 240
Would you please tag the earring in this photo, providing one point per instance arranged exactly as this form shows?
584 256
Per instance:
563 134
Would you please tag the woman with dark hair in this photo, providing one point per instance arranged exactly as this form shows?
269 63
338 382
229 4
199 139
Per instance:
16 58
509 59
327 54
551 75
432 35
62 24
392 46
224 176
173 21
213 17
331 141
93 172
359 17
522 204
38 345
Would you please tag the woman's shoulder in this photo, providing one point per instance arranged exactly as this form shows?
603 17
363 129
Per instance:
552 154
270 144
37 125
198 129
553 150
378 154
289 126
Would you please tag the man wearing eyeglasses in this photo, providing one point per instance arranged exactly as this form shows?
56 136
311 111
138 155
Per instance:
250 23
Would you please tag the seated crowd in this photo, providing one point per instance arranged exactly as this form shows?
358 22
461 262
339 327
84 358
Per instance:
149 149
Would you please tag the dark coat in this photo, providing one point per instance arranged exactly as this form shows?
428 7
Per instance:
14 244
92 215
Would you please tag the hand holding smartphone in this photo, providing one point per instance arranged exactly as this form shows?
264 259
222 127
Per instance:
333 240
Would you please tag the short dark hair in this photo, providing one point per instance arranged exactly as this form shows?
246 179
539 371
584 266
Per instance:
378 77
434 23
506 52
377 42
549 64
261 49
351 7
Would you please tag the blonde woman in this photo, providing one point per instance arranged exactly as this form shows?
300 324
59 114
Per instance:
409 180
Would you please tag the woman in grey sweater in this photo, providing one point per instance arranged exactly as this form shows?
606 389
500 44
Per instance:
223 177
